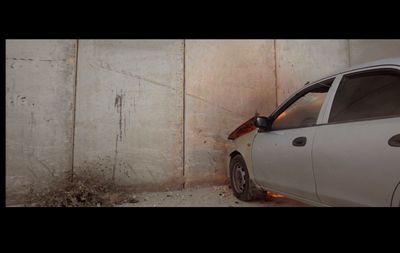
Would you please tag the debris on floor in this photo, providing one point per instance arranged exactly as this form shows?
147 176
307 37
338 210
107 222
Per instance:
90 191
212 196
83 191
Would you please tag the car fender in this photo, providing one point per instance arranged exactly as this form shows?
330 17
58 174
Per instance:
244 145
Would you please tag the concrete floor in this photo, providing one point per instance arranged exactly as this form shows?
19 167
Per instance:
214 196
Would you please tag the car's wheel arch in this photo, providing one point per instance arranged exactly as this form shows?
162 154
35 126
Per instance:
231 156
395 200
243 146
247 161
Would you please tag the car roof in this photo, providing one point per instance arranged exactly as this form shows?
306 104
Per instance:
382 62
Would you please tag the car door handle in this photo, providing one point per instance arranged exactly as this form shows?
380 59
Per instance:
395 141
299 141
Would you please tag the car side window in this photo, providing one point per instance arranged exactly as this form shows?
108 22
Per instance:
367 95
304 111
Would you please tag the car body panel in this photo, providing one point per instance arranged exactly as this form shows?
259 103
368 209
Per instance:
353 163
334 175
280 165
350 158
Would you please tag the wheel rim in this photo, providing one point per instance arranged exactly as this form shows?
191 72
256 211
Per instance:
239 178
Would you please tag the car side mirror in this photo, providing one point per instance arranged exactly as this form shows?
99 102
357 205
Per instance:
263 123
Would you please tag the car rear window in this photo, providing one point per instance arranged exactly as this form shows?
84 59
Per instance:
367 95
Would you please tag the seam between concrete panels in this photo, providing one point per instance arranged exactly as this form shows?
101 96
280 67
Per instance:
183 115
74 111
276 76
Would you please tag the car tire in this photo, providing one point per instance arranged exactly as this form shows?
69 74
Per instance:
243 188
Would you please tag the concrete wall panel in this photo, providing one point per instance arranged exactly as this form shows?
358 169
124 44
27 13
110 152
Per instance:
362 51
226 83
40 77
299 61
129 118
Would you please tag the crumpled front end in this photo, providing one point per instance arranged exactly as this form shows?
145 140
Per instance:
243 138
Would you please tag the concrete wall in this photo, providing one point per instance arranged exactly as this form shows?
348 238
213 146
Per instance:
131 124
299 61
226 82
369 50
129 118
39 111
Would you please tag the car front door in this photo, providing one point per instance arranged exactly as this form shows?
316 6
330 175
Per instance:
356 155
282 156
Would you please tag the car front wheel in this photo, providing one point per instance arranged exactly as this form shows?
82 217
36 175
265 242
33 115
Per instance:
243 188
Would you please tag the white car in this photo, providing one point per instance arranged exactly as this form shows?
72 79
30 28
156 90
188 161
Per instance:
335 142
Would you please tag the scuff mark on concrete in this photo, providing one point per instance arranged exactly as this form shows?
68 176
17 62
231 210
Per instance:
118 105
19 59
125 126
107 67
31 146
139 90
154 82
51 171
115 158
18 100
134 104
165 158
29 167
130 168
32 59
151 174
32 123
216 105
